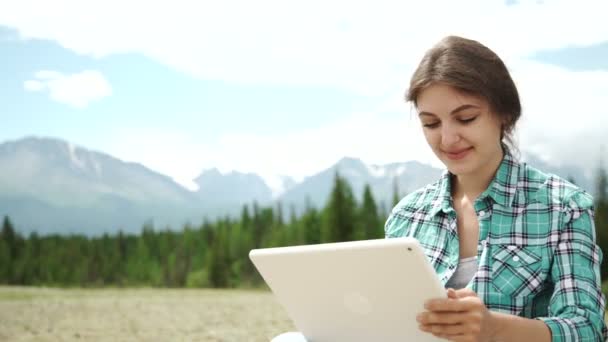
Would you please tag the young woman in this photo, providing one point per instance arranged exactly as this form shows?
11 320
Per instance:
515 247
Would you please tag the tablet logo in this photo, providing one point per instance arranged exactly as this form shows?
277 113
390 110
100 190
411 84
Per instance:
357 303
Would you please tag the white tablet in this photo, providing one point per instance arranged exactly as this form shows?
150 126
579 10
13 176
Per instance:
352 291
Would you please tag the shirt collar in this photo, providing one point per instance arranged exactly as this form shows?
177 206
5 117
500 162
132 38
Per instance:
503 187
501 190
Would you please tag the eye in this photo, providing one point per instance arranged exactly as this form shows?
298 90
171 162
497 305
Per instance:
466 121
431 125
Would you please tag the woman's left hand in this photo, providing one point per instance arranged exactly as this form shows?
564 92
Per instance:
460 317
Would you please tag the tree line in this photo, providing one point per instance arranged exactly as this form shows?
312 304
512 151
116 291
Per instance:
212 254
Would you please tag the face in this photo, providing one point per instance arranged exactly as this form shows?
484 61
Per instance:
460 129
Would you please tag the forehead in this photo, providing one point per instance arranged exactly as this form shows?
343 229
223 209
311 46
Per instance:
442 99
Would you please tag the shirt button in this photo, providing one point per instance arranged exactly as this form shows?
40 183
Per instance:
516 258
482 213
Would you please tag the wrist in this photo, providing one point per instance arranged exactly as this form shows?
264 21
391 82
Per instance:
495 326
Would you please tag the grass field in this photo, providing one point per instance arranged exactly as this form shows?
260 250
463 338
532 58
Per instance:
43 314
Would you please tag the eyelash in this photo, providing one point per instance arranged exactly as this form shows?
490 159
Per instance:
464 122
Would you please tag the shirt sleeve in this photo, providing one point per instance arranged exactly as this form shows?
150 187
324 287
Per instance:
576 309
393 226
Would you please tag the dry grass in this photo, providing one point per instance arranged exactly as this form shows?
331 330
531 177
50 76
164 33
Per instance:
43 314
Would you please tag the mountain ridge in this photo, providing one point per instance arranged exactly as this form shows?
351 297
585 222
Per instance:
50 185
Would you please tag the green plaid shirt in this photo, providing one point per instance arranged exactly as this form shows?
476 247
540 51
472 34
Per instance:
537 252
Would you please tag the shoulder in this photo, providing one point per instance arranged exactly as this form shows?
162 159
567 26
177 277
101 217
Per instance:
418 199
536 186
419 202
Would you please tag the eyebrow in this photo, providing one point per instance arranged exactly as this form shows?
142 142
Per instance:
458 109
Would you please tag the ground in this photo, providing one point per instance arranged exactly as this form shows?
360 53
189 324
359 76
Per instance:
47 314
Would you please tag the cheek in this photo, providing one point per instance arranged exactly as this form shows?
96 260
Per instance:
431 137
490 137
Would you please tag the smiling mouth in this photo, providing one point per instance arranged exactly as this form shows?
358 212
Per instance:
458 154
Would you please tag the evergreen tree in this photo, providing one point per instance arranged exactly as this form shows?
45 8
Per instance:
9 236
138 264
292 229
32 264
601 216
309 227
279 219
370 220
396 195
292 214
218 265
236 252
339 215
245 218
5 262
259 229
384 212
14 244
95 263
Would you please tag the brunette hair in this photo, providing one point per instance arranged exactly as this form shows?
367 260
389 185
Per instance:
474 69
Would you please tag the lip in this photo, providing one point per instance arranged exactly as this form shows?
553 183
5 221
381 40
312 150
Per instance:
457 155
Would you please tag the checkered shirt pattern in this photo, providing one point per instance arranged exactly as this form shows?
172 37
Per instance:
537 250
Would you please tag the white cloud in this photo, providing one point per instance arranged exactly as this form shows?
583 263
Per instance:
381 137
559 122
370 48
363 46
32 85
77 90
564 119
163 150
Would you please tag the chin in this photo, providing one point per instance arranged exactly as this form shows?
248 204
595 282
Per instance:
459 168
459 171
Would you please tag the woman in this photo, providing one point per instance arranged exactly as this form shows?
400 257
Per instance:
518 245
514 246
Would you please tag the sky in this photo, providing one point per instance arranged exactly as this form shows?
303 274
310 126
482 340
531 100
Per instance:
285 87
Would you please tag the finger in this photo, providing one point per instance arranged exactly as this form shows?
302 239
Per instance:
452 293
457 338
451 337
454 338
460 338
447 304
441 318
465 292
445 329
443 337
455 305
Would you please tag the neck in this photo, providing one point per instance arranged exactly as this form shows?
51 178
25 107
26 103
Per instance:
473 184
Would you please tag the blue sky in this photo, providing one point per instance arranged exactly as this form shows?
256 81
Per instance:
279 87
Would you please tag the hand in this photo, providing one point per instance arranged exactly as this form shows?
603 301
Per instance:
461 317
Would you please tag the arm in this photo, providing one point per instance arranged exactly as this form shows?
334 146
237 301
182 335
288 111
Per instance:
515 328
463 317
576 309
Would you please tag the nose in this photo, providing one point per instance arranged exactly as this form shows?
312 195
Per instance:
449 135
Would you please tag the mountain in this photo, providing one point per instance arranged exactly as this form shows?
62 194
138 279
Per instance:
220 192
52 186
70 175
316 189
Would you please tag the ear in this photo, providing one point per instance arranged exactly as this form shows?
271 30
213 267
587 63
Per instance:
505 121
